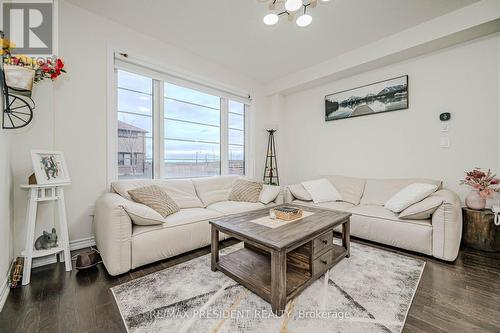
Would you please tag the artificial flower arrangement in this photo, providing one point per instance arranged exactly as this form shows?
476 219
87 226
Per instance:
44 68
485 182
49 68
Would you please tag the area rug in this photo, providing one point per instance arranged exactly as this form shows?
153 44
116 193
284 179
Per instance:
371 291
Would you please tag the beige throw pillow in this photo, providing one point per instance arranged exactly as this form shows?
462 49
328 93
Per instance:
422 210
299 192
141 214
409 195
153 196
245 190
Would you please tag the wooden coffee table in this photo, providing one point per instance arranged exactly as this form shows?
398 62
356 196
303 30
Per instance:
278 263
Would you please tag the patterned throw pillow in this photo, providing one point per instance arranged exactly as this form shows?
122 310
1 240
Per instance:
154 197
245 190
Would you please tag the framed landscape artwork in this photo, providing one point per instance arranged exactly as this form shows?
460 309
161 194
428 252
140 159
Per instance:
50 167
378 97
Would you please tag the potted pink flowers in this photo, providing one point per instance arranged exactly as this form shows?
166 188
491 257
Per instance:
483 184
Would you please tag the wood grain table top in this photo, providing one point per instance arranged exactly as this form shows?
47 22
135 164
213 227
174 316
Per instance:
284 236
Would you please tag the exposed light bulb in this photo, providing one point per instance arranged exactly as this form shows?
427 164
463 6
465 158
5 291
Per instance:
304 20
293 5
326 2
271 19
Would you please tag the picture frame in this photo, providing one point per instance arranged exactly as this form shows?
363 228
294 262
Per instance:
50 167
374 98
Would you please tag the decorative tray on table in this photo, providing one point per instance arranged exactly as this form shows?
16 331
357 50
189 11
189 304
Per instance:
288 213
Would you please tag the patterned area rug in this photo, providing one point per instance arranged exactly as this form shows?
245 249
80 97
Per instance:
369 292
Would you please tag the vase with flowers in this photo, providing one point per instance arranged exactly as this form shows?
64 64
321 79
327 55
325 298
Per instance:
484 184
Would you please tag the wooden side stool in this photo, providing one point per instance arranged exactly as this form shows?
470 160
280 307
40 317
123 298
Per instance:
479 230
39 193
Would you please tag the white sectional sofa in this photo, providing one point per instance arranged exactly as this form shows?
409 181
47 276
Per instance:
438 236
125 245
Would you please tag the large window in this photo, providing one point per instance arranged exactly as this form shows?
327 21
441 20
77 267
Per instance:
197 134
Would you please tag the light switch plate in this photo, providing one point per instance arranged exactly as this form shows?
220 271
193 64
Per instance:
444 142
445 126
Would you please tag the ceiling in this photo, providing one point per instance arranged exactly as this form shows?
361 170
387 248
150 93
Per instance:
231 32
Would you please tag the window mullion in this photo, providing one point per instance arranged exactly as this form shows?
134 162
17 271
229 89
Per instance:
224 136
158 132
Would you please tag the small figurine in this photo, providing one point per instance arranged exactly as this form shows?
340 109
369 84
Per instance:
47 240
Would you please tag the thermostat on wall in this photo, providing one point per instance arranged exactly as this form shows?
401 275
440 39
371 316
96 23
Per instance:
445 116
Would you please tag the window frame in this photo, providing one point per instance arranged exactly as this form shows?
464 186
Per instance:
158 120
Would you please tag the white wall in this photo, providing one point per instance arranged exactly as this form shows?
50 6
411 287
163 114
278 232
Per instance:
6 253
463 80
71 114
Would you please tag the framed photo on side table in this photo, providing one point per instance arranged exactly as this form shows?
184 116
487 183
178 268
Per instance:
50 167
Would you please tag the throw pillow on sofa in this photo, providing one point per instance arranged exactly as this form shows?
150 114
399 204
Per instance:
141 214
299 192
269 193
245 190
422 210
153 196
409 195
322 190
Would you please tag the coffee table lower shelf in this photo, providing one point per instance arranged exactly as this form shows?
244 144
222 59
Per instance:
252 269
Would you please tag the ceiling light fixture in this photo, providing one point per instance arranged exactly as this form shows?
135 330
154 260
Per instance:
290 7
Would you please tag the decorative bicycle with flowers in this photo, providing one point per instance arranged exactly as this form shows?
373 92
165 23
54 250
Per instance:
18 74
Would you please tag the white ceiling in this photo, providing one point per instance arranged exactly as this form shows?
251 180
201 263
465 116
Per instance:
231 32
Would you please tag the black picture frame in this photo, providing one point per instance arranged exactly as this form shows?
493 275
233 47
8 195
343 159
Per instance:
370 99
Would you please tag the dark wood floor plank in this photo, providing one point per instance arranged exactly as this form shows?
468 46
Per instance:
463 296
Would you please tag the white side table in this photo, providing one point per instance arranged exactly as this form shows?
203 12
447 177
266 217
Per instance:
38 193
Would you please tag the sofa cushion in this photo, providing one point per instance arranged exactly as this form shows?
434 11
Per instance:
184 216
214 189
123 186
336 205
235 207
299 192
333 205
383 213
350 188
321 190
378 191
269 193
183 231
154 197
409 195
245 190
411 236
181 190
422 210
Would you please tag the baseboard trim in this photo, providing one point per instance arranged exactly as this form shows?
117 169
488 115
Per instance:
75 244
4 291
78 244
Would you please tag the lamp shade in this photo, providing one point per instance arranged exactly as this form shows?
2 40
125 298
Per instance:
304 20
270 19
293 5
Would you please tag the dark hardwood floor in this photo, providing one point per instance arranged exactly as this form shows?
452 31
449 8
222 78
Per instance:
463 296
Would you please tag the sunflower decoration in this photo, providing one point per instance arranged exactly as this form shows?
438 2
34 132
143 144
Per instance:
6 46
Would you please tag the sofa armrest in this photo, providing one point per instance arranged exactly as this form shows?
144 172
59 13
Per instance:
447 226
113 232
